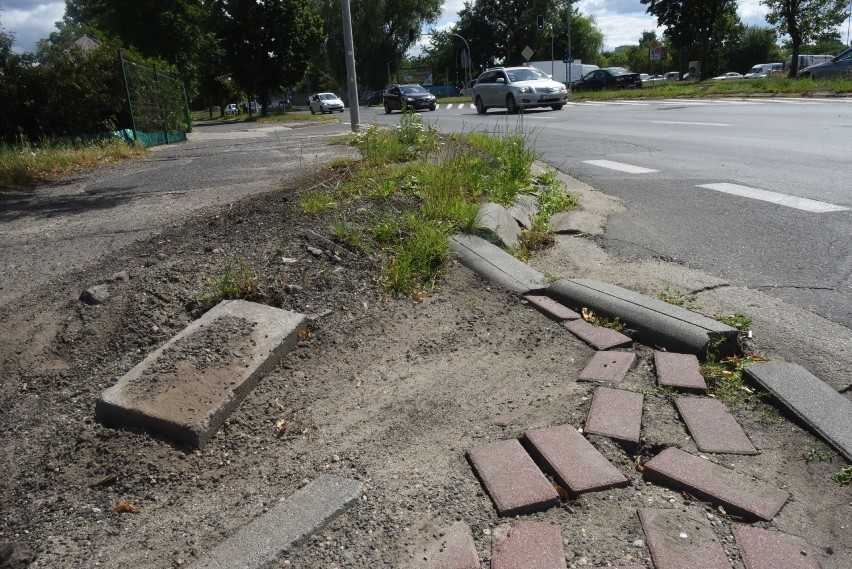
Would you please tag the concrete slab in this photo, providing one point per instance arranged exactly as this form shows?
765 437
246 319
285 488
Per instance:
186 389
577 221
527 544
616 414
551 308
499 223
258 543
681 540
819 406
524 209
598 337
495 265
712 426
574 462
764 549
516 485
455 549
680 371
658 323
609 366
705 480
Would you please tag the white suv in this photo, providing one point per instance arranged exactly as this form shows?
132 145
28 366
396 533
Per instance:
516 88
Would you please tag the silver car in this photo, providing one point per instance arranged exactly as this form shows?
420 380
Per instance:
838 66
516 88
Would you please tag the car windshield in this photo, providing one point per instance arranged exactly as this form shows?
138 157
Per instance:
328 96
412 90
619 71
755 70
527 74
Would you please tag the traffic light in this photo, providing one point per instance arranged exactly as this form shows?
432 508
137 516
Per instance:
539 22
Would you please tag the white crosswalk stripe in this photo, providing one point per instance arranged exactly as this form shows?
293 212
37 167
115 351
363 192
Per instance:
629 168
796 202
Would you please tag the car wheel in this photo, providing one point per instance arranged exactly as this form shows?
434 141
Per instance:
511 105
432 107
557 107
387 109
312 111
480 108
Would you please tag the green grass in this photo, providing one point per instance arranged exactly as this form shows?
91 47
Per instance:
677 298
28 163
273 116
844 476
738 321
238 281
770 86
414 188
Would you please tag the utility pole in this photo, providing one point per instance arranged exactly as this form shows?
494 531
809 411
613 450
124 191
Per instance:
551 48
570 54
349 48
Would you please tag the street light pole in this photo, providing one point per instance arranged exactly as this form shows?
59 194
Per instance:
551 48
570 54
349 48
467 67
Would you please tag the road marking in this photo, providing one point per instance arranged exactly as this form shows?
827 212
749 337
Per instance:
620 167
803 204
693 123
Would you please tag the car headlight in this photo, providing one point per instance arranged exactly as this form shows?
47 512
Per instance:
525 90
409 99
562 89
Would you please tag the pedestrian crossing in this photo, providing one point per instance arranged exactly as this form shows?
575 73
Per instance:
684 102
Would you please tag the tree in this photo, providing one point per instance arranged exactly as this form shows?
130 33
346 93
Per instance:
267 43
691 22
749 45
379 32
804 21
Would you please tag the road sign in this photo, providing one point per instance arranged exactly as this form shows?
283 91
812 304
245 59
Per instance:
654 44
527 53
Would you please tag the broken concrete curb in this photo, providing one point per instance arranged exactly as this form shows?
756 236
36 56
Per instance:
495 265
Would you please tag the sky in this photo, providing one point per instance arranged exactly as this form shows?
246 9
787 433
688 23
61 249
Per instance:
621 21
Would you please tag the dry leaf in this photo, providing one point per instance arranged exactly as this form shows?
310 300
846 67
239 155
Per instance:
639 466
588 315
561 491
304 334
125 508
420 296
282 426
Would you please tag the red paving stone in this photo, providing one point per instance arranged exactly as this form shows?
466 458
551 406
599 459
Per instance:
712 426
607 366
454 550
598 337
551 308
681 540
680 371
739 495
527 545
764 549
574 462
514 482
616 414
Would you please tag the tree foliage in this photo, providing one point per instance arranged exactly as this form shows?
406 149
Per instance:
266 42
804 21
702 23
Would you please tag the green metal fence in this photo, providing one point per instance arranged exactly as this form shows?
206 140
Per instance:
159 112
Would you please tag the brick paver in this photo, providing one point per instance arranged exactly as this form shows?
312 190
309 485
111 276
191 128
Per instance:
616 414
707 481
764 549
713 427
610 366
681 540
551 308
680 371
574 462
527 545
455 549
514 482
598 337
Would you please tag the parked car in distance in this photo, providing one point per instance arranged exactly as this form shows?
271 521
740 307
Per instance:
729 75
806 61
468 91
232 109
652 79
325 103
516 88
608 78
644 77
763 70
839 66
672 76
409 96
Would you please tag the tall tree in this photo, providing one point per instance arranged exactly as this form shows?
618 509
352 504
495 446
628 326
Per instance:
804 21
705 22
380 31
267 42
749 45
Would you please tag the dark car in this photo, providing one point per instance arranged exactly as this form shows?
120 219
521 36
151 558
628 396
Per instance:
411 96
838 66
375 98
607 78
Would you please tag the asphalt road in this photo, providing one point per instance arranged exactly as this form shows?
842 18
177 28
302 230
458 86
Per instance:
754 191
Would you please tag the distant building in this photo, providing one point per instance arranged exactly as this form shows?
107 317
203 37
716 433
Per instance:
86 43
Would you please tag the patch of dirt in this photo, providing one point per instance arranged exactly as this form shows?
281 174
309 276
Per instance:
390 391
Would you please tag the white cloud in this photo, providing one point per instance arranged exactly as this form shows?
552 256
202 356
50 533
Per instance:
30 22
